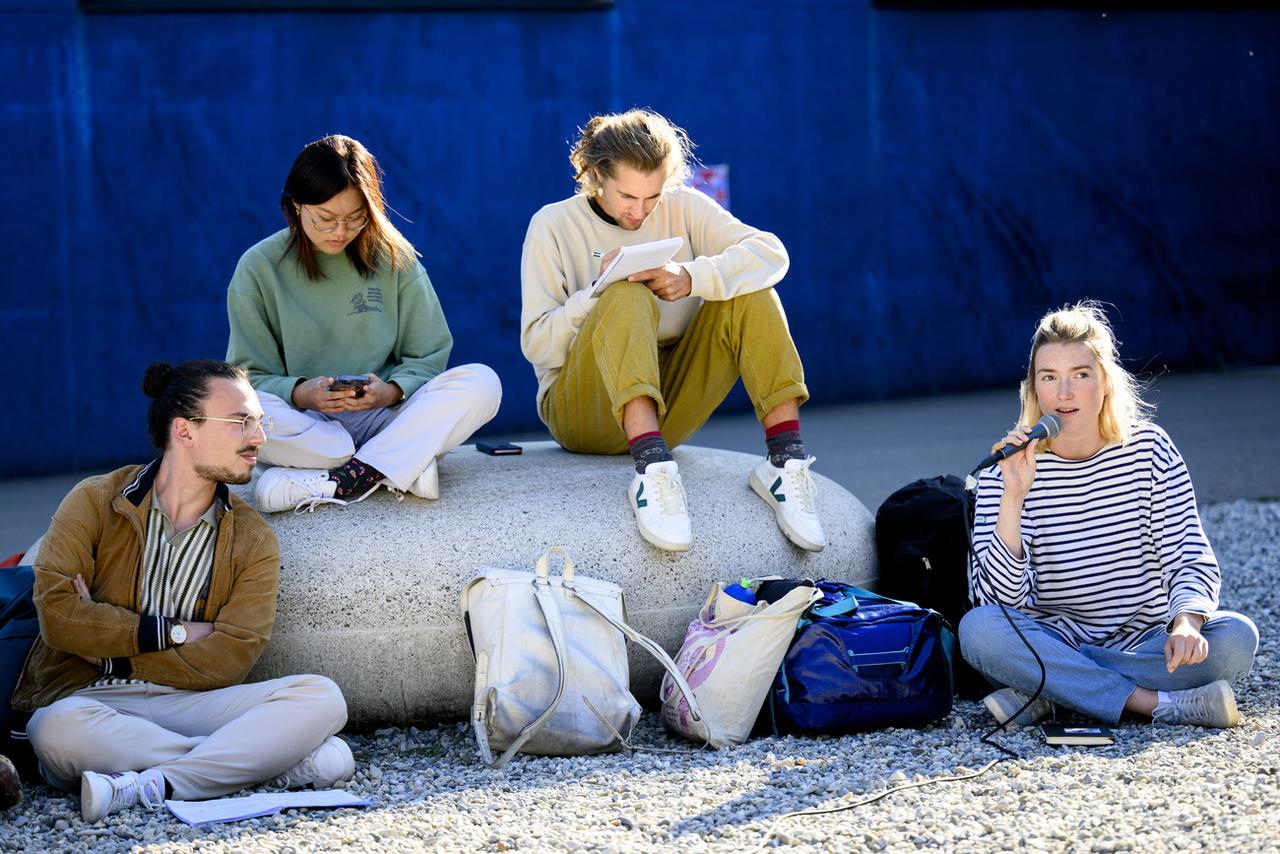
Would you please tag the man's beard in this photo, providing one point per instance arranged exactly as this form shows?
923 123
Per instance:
218 474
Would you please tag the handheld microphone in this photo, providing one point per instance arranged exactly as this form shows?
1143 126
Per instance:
1047 427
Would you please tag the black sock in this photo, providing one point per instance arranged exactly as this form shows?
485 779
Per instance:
354 477
784 443
648 448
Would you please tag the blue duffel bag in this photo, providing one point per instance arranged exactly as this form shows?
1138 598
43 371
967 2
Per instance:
862 661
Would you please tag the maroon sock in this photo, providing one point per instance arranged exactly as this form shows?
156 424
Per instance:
784 443
648 448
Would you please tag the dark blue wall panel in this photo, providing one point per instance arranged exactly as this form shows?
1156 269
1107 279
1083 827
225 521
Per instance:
940 178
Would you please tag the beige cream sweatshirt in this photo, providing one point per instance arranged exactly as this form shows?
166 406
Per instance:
724 256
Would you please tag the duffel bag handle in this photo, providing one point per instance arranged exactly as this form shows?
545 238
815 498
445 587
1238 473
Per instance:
852 596
566 571
847 605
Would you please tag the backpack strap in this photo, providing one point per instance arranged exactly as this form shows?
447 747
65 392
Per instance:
650 646
555 626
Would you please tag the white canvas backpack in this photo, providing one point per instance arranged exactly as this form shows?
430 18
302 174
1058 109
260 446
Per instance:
551 663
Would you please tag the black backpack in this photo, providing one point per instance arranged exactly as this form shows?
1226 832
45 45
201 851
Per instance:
19 628
924 555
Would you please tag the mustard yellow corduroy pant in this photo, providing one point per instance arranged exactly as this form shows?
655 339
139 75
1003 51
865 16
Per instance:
616 358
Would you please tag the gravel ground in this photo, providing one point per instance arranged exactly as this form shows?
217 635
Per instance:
1156 789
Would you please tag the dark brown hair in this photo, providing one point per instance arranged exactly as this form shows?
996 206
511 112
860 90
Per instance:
179 391
321 171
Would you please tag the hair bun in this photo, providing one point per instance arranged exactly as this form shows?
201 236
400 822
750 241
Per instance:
157 379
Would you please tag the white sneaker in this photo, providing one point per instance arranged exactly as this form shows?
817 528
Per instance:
302 487
1002 705
426 485
1212 705
282 488
793 496
329 763
657 497
103 794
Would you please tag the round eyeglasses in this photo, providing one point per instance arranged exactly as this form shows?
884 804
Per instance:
249 425
325 226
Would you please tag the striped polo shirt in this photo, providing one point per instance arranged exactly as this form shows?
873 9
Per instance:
175 574
1112 545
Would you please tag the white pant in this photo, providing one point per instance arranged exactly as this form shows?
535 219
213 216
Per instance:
399 441
205 743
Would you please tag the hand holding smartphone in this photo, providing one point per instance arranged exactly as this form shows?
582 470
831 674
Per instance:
345 381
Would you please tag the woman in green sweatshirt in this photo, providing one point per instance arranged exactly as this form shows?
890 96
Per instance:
343 337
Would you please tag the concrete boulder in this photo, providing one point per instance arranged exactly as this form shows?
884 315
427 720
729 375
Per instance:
369 593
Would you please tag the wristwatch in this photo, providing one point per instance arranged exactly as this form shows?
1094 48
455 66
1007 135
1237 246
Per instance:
177 634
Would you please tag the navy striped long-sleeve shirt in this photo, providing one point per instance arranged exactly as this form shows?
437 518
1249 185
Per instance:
1112 545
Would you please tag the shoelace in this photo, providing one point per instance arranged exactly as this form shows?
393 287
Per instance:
308 770
802 488
125 795
151 795
1185 709
308 505
670 495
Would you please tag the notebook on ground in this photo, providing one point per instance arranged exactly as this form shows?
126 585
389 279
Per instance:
1088 735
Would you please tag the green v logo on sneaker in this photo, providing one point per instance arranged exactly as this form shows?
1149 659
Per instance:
773 490
644 502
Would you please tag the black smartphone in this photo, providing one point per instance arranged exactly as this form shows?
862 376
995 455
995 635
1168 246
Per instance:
355 381
498 449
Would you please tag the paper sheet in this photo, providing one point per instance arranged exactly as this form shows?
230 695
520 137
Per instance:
263 803
633 259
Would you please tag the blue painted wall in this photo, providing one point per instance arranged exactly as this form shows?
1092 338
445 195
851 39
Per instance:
940 178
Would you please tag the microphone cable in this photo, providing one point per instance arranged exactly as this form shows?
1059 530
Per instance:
987 739
971 486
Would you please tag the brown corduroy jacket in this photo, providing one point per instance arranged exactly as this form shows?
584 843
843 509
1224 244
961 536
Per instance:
98 532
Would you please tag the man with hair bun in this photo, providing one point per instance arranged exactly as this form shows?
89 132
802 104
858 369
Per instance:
642 366
156 591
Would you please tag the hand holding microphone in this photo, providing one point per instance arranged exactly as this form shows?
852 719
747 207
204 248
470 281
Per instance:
1020 472
1047 427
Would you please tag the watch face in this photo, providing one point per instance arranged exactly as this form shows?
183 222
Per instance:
178 634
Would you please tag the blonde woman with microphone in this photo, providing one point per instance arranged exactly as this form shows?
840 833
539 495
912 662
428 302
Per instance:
1092 541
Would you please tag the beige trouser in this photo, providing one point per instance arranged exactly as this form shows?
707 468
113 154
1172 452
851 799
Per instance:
398 441
615 358
205 743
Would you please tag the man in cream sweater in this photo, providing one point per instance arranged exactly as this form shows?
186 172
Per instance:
640 366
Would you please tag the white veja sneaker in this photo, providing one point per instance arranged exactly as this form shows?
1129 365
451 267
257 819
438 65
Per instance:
793 496
103 794
426 485
657 497
329 763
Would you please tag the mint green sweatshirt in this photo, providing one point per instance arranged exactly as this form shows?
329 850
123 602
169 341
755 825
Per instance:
286 328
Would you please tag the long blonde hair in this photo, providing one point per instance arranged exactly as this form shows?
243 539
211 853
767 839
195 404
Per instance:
643 140
1123 409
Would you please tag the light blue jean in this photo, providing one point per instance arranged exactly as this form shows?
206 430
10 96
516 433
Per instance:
1092 679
